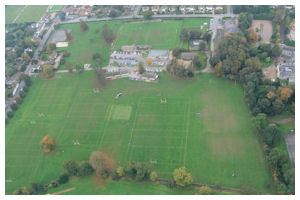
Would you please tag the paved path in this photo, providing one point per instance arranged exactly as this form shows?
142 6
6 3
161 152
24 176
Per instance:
64 191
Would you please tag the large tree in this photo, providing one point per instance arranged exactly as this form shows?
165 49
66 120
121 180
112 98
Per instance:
182 177
108 34
83 26
101 163
47 144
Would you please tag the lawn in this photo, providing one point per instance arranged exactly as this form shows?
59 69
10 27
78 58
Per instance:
55 8
85 44
158 34
204 125
20 14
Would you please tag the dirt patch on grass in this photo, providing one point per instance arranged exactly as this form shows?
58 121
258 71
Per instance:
263 28
221 146
215 115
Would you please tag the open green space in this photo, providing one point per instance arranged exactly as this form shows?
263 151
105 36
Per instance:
21 13
55 8
159 34
204 125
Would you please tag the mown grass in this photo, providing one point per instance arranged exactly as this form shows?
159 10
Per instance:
28 13
204 125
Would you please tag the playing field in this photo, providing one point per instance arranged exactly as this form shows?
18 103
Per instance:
55 8
158 34
21 13
202 124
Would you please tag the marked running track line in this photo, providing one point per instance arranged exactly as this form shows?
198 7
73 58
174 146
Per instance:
132 129
187 130
106 119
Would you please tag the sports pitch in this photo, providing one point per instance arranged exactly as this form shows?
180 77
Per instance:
203 124
22 13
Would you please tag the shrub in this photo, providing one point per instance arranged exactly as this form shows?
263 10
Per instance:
23 191
85 169
63 178
72 167
120 171
66 54
153 176
38 188
14 106
53 184
205 190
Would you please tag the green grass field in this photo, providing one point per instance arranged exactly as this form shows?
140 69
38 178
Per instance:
160 35
204 125
56 8
20 14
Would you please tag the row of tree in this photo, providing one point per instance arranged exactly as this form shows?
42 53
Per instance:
283 172
193 34
19 99
240 61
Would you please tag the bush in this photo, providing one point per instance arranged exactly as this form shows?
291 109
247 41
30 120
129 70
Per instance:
120 171
205 190
153 176
85 169
10 114
23 191
62 61
66 54
14 106
63 178
53 184
72 167
38 188
271 135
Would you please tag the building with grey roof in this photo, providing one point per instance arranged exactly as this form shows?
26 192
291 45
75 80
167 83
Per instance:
286 65
158 57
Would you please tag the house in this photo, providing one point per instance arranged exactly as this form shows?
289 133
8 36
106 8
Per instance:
286 65
129 48
201 9
145 8
155 9
231 25
125 59
158 57
195 44
36 69
188 56
209 9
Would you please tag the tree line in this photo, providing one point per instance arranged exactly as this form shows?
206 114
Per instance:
240 60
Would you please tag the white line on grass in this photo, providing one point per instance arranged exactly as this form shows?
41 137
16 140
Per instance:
105 125
187 131
132 129
156 147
